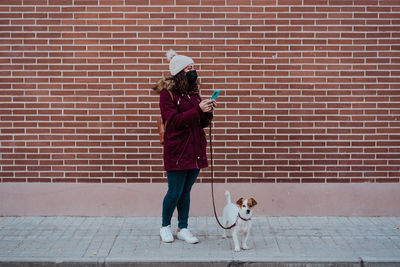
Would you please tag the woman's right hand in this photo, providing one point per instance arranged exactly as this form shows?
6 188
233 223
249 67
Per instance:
208 105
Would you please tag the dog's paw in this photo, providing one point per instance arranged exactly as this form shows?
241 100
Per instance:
245 247
237 249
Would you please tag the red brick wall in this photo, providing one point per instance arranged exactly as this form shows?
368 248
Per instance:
310 88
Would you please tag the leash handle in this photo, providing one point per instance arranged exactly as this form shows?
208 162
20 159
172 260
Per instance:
212 182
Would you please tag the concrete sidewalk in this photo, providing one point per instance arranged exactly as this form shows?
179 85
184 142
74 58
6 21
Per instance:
274 241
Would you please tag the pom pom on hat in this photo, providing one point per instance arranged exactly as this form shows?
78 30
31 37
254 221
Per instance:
170 54
177 62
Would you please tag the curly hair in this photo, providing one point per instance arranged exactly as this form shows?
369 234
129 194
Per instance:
182 85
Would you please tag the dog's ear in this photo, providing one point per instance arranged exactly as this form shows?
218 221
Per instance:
240 202
252 202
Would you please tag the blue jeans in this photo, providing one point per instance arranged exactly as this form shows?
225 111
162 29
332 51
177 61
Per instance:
178 196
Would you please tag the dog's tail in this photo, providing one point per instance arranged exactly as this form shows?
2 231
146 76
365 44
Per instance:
228 196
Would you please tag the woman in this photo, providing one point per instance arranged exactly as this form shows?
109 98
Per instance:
184 141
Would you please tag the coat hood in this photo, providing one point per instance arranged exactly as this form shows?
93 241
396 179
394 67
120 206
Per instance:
164 83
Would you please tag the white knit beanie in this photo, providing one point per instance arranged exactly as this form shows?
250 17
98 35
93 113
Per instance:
177 62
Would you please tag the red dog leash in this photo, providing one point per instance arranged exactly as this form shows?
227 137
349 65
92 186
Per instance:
212 185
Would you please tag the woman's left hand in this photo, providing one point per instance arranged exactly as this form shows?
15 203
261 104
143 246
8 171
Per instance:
213 105
208 105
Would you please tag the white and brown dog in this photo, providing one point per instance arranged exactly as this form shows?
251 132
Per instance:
238 218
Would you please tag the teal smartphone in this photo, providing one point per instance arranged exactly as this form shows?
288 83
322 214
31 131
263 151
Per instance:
215 94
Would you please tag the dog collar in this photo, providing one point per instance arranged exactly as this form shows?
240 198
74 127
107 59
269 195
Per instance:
233 225
244 218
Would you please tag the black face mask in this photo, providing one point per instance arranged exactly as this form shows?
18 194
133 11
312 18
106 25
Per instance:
191 76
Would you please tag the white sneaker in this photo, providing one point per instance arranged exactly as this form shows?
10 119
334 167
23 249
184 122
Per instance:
166 234
186 235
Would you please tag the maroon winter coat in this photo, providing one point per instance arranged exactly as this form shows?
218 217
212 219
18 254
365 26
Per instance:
184 139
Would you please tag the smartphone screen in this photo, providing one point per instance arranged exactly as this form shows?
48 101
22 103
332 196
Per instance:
215 95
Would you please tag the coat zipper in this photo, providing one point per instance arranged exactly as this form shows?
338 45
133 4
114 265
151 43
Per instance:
201 147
